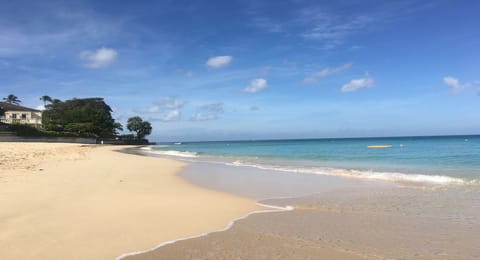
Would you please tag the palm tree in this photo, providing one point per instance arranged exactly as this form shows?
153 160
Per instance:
12 99
46 99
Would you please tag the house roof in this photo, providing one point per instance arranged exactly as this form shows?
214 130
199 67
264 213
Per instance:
11 107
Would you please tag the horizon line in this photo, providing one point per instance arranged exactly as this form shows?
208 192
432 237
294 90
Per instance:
320 138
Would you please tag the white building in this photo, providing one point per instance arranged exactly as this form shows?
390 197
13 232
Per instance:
20 115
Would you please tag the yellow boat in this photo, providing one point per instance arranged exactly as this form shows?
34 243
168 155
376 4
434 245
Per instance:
379 146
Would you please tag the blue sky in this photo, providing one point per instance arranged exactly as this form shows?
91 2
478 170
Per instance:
216 70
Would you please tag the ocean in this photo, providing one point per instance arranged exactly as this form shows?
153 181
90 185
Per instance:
418 198
440 160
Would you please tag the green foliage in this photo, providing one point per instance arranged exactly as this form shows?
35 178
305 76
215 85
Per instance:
82 116
30 131
127 137
118 127
80 128
140 127
2 112
133 123
12 99
46 99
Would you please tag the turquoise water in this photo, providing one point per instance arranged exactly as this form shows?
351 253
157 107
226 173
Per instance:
442 159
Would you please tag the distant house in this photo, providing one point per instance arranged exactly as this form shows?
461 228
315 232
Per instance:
20 115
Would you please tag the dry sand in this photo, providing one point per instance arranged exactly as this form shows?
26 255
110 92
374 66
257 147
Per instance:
65 201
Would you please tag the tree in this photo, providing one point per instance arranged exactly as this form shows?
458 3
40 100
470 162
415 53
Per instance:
46 99
82 116
140 127
118 127
12 99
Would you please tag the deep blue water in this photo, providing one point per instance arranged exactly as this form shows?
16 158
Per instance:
432 159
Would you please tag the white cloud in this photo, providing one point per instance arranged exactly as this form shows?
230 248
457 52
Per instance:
213 107
356 84
167 109
219 61
329 71
332 29
314 22
256 85
208 112
326 72
152 109
454 84
100 58
458 87
167 115
203 117
172 115
170 103
53 29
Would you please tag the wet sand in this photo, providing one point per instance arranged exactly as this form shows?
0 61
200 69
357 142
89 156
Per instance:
64 201
339 221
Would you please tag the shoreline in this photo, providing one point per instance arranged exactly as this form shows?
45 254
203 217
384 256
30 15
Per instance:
91 202
270 208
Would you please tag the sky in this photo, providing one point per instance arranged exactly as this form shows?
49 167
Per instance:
242 70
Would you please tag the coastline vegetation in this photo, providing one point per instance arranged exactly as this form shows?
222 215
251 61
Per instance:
12 99
140 127
79 117
90 116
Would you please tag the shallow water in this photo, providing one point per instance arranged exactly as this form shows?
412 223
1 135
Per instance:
447 160
263 184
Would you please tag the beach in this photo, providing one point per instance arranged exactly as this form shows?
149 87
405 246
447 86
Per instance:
70 201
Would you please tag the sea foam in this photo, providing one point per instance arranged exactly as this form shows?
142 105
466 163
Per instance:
350 173
174 153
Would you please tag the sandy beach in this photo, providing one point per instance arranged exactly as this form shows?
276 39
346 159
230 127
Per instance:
67 201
